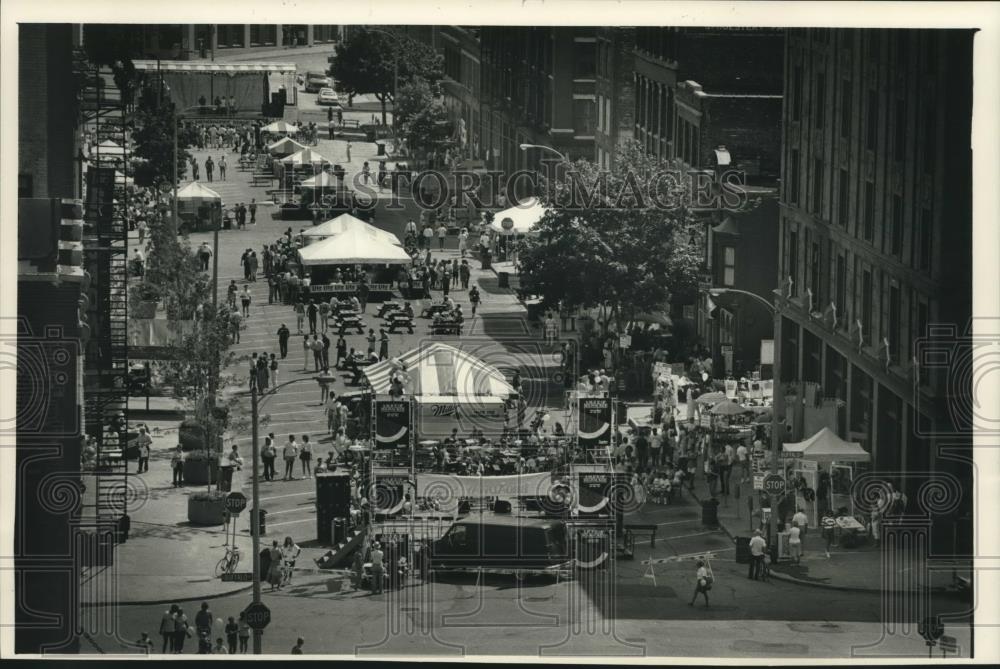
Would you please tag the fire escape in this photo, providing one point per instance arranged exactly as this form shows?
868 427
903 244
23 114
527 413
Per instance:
105 480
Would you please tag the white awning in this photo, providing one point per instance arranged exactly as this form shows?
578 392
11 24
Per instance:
827 446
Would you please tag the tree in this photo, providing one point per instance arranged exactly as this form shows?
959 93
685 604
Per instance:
154 139
611 240
114 45
421 118
366 63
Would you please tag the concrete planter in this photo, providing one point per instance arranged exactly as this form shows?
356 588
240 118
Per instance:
209 511
201 472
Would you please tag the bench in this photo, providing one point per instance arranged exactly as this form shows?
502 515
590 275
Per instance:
433 310
451 327
343 325
397 324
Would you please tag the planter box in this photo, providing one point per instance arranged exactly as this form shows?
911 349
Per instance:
198 472
206 512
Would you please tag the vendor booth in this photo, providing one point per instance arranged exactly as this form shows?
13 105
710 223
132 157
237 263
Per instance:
355 246
344 223
513 222
199 207
284 147
280 128
821 469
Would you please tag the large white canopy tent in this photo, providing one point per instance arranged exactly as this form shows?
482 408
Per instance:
285 146
344 223
195 191
280 127
354 247
304 157
826 446
524 217
435 370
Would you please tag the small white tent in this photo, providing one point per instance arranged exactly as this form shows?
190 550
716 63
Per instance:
523 218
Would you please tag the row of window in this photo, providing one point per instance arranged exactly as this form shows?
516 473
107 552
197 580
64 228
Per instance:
828 269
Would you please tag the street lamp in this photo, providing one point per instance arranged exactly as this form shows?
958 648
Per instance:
255 402
778 402
525 147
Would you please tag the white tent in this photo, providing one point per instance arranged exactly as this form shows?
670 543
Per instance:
195 191
281 127
354 247
827 446
108 148
345 222
433 371
285 146
524 217
305 157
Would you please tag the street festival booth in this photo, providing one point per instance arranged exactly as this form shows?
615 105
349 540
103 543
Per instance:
283 128
305 161
343 223
355 246
284 147
248 84
821 469
199 207
519 220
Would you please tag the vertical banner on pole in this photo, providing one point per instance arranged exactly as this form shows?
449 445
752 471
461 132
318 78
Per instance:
392 423
594 421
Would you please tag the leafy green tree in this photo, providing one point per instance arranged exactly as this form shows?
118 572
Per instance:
611 240
421 118
367 61
154 138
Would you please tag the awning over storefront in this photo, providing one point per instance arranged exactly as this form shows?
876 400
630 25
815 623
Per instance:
827 446
200 67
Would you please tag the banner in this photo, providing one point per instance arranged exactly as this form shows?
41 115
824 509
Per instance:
594 428
446 490
593 547
389 494
438 419
392 423
597 490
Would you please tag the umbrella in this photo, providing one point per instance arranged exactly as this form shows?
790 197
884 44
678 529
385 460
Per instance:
281 126
728 409
711 398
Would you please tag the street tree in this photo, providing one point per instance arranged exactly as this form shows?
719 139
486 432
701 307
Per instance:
421 118
366 62
155 117
613 240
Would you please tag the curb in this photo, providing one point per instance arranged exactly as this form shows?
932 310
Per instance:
155 602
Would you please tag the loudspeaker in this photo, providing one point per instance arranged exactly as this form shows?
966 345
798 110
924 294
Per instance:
501 506
333 496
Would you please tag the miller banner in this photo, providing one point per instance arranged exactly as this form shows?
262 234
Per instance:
390 494
597 490
594 428
392 423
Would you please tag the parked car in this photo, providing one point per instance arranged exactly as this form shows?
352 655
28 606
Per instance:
315 81
328 96
500 541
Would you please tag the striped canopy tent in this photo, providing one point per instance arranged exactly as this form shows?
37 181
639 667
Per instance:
345 222
280 127
354 247
285 146
435 370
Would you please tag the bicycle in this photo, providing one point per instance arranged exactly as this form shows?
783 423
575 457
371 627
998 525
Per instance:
228 563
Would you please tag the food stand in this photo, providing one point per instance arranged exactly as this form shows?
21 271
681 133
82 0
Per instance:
284 147
824 456
355 246
519 220
344 223
199 207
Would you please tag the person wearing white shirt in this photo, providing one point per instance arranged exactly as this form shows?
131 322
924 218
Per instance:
795 543
757 548
802 520
741 457
703 583
290 452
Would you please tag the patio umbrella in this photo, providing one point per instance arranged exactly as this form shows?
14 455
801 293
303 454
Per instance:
711 398
281 126
728 409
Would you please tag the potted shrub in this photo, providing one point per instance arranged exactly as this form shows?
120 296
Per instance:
201 467
191 435
207 508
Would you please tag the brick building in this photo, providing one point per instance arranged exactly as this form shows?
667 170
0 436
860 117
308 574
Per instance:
185 41
875 239
615 92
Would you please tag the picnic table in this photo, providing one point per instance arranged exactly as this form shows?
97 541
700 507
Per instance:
447 327
399 321
350 322
388 307
433 310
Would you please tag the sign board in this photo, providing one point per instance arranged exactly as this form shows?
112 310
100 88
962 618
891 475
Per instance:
236 502
767 351
948 644
258 615
774 484
594 422
507 223
238 576
808 465
758 481
392 423
594 546
727 349
757 461
389 494
438 419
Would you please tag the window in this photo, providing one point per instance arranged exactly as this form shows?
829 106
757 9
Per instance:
583 118
729 266
893 334
926 237
793 177
819 103
263 35
584 60
869 222
896 245
230 36
843 186
899 140
793 260
841 298
866 305
797 99
846 102
817 186
871 119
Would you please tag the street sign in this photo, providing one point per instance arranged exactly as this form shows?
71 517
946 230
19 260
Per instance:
238 576
758 481
258 615
236 502
774 484
948 644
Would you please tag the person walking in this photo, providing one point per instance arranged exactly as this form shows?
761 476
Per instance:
177 466
143 442
464 274
182 630
194 169
317 349
254 266
378 570
795 543
272 286
442 234
348 150
236 323
312 311
300 315
305 456
203 625
167 628
306 352
828 525
463 242
363 292
757 548
703 582
222 167
341 350
290 452
209 168
475 299
245 299
268 454
326 352
231 291
324 315
205 255
366 173
243 632
383 345
273 369
232 634
274 566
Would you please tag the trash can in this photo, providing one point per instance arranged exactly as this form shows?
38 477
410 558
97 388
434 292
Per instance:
503 279
743 550
226 479
710 513
263 519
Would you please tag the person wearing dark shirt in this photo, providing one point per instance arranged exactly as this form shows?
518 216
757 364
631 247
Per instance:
283 335
311 312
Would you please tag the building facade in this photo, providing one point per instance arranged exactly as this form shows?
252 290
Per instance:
875 237
615 92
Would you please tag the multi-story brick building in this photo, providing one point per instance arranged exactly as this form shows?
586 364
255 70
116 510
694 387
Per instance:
185 41
875 240
615 92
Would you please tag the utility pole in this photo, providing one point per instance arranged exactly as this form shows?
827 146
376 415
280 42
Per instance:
255 514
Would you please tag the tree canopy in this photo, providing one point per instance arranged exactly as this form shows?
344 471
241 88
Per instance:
154 140
612 239
420 117
365 63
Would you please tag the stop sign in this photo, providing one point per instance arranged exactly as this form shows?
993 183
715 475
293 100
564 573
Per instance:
774 484
236 502
258 615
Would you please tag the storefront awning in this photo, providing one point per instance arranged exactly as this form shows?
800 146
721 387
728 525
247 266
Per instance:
198 67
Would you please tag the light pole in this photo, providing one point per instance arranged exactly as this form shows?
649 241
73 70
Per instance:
562 156
778 401
255 402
